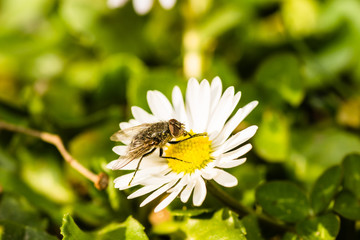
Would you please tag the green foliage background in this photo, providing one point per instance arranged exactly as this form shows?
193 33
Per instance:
75 67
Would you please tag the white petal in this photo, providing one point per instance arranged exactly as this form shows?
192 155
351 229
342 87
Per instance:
171 197
185 194
201 107
158 192
142 6
156 179
231 163
118 164
152 160
237 139
112 164
116 3
131 123
160 105
208 172
164 203
120 150
142 116
233 123
236 100
222 111
142 175
199 192
216 89
180 184
167 4
236 153
123 181
192 96
225 179
143 191
179 107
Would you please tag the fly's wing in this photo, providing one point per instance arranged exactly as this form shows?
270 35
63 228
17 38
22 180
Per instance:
137 151
128 133
120 163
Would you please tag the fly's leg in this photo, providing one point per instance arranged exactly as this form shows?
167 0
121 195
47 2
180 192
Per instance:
191 136
138 165
161 155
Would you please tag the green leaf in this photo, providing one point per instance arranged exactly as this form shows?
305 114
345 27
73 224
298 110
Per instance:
189 212
11 182
79 15
272 139
316 149
67 111
283 200
281 74
325 188
134 230
322 227
43 173
347 205
252 228
351 166
11 230
223 225
69 230
290 236
89 146
249 176
116 72
6 162
17 209
130 229
221 21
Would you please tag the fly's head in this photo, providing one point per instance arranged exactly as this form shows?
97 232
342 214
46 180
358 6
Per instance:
177 129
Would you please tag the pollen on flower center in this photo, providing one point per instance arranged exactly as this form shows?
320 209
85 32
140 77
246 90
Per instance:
190 154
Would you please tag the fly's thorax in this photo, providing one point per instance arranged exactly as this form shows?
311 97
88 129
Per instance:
158 134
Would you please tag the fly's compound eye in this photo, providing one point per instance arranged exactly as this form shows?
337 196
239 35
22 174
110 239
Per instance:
176 128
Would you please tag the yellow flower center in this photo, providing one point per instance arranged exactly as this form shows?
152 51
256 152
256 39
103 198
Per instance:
190 153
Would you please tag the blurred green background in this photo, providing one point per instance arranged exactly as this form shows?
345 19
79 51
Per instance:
75 67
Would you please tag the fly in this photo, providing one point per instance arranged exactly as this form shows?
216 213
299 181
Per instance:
147 137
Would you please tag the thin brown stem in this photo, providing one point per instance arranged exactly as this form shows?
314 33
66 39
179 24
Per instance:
100 181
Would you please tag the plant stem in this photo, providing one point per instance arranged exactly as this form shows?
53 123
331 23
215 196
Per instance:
100 181
226 199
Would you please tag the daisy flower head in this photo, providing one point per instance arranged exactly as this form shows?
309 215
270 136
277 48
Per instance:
181 164
141 6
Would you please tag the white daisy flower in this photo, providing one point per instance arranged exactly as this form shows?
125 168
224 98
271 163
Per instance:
193 161
141 6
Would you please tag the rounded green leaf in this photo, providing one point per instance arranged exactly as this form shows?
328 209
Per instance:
325 188
283 200
347 205
272 139
322 227
316 148
352 174
281 75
